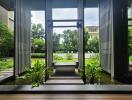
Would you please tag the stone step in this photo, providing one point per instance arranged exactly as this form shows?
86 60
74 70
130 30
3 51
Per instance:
64 82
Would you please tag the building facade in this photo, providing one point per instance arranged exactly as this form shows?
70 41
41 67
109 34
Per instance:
7 17
93 31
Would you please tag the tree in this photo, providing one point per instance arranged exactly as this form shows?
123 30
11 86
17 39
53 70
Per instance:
93 44
56 42
38 45
38 38
38 31
6 40
86 38
70 40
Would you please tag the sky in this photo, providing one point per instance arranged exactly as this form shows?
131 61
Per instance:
91 17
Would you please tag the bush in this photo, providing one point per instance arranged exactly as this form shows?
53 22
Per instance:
130 59
56 57
37 55
50 71
6 64
6 40
93 70
69 56
36 73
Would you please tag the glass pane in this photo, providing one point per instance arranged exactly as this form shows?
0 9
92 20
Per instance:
64 13
129 12
64 23
129 22
130 46
6 43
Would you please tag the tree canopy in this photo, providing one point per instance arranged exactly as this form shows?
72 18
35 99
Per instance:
6 40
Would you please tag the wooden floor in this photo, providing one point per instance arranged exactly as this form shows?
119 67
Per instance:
65 97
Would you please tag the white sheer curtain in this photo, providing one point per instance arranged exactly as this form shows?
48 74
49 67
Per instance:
106 35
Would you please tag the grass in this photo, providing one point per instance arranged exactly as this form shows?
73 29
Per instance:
130 59
104 79
6 64
65 60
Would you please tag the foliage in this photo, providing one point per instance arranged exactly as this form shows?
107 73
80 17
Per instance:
56 42
6 40
4 65
130 41
56 57
69 56
50 71
93 44
38 38
36 73
37 31
37 55
38 45
70 40
93 70
130 59
86 38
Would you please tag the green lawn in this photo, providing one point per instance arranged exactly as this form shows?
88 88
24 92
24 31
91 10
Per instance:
6 64
130 59
105 78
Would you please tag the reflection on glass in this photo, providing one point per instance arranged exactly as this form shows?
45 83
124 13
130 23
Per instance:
6 43
64 13
130 37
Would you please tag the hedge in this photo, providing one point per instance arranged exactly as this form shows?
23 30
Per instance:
37 55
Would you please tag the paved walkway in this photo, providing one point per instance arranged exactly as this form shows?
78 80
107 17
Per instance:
66 75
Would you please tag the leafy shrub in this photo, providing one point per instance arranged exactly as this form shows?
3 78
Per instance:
50 71
36 73
93 70
37 55
130 59
56 57
69 56
6 40
6 64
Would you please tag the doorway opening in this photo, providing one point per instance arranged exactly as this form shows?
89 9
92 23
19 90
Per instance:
65 28
37 37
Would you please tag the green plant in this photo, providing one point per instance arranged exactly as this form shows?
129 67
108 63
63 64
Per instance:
50 71
93 70
69 56
36 73
130 59
6 40
37 55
